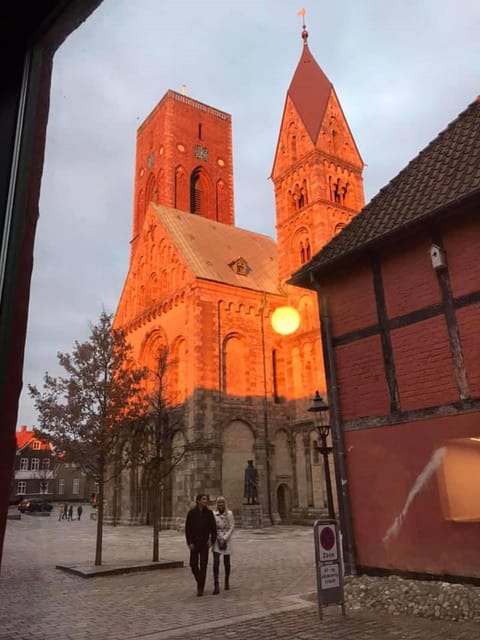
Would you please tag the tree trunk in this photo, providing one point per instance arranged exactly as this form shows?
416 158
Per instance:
156 523
98 548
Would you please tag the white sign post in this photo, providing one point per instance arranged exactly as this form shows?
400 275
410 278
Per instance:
329 565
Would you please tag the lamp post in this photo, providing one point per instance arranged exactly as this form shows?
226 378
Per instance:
319 409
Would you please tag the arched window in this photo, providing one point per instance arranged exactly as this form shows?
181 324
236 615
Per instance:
308 253
292 204
199 192
300 246
234 367
178 377
292 141
151 191
181 190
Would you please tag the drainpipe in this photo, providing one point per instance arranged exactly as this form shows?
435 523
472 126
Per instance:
337 434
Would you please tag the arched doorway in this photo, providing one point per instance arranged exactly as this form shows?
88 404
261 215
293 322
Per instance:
283 501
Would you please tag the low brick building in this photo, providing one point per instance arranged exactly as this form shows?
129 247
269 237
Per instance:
399 291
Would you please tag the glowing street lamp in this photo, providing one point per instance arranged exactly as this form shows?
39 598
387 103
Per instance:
285 320
320 409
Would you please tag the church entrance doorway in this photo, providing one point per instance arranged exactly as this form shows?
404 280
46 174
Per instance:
283 501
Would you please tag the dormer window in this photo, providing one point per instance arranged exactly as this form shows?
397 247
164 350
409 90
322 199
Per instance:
36 444
240 267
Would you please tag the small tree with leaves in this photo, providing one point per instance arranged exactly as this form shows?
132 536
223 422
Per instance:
156 449
88 414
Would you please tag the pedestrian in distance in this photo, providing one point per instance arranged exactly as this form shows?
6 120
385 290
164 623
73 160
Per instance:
201 533
65 511
70 513
225 524
79 511
61 512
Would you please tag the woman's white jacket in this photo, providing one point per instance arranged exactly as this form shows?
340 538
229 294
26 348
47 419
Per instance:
225 526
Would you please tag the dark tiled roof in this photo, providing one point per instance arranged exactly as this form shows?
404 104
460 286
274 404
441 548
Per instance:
309 91
446 171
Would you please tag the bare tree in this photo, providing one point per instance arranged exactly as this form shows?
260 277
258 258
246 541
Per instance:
88 414
157 450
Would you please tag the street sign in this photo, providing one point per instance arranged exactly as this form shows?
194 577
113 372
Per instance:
329 564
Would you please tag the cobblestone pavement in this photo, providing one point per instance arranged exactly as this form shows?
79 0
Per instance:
273 580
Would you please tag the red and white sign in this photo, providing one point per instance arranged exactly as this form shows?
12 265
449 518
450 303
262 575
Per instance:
327 543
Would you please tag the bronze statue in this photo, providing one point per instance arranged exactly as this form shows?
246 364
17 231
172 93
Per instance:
250 484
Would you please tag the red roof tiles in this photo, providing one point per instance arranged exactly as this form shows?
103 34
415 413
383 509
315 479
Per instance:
309 90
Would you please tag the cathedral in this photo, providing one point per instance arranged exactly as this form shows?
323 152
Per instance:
205 290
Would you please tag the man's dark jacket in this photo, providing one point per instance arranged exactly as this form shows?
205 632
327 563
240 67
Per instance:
199 526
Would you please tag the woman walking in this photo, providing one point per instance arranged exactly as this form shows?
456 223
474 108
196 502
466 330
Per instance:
223 544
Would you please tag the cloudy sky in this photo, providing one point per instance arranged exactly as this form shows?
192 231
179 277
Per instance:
402 71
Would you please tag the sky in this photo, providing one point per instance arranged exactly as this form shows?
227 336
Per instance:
402 70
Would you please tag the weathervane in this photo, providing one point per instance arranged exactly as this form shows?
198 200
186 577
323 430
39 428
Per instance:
302 13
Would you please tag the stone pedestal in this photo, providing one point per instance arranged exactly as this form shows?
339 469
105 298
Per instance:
252 516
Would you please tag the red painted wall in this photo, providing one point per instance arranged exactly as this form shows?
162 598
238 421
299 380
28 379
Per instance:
383 466
390 468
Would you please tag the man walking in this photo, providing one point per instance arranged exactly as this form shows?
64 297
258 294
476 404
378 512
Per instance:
201 533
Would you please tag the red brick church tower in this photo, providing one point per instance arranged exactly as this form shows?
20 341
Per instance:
206 289
317 171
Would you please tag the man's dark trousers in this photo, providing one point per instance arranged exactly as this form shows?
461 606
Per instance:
199 554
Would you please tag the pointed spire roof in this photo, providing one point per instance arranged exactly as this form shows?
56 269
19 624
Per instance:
309 90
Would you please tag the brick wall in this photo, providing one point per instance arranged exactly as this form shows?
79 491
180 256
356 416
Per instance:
462 243
468 320
351 301
361 379
409 281
423 364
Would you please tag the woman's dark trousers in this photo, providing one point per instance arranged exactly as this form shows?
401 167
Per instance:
216 568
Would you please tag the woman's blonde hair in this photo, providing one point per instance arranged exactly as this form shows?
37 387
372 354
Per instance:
224 500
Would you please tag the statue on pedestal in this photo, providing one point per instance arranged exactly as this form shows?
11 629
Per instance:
250 485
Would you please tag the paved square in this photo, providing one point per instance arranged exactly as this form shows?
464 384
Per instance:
273 579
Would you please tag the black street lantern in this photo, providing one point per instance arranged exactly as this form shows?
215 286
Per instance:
319 409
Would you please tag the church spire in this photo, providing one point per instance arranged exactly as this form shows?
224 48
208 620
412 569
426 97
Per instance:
317 170
310 89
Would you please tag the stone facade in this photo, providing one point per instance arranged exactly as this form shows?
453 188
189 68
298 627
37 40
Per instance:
206 290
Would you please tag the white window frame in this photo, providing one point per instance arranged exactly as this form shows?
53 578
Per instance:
61 487
23 464
45 464
36 444
35 464
21 487
76 486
